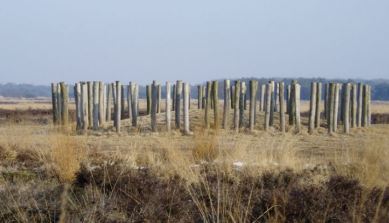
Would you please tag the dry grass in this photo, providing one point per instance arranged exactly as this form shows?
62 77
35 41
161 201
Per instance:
227 177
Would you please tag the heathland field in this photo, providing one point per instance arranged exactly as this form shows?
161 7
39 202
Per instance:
50 173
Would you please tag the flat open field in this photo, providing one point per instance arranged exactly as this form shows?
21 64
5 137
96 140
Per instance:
53 174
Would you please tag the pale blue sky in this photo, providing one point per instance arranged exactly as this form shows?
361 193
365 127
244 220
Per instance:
52 40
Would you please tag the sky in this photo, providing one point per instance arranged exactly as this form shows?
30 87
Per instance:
43 41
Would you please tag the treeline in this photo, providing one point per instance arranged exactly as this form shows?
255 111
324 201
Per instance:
380 88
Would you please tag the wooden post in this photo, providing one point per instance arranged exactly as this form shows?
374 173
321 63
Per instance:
208 104
346 108
226 108
154 106
326 91
215 89
90 104
123 101
263 91
253 99
159 98
178 104
288 99
59 103
369 106
65 101
354 105
312 107
168 111
272 103
330 107
101 104
174 97
204 101
54 100
365 106
276 97
77 99
360 104
297 106
148 99
292 103
108 111
129 101
336 107
236 105
186 108
135 104
117 106
199 96
85 110
268 106
241 103
282 106
244 94
95 105
232 95
318 104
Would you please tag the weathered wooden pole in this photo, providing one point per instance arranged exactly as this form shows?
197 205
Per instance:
312 108
226 107
108 110
174 97
199 97
262 102
232 95
159 98
95 105
59 103
168 110
129 101
292 104
236 105
325 97
215 90
244 94
135 104
365 105
64 105
346 108
154 106
148 99
123 101
369 106
354 105
85 110
330 107
268 106
297 106
253 100
208 104
90 104
178 103
241 103
288 99
117 106
336 106
186 108
276 97
360 104
282 106
318 104
54 100
204 101
77 100
272 102
101 104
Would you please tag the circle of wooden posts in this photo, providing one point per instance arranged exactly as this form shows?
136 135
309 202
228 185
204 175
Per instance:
98 103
